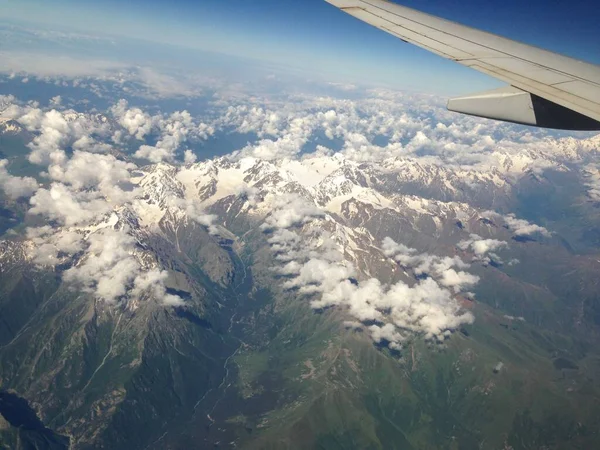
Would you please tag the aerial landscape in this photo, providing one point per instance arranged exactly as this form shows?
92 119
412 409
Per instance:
214 236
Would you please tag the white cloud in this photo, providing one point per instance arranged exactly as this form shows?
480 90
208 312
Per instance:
53 247
156 154
519 227
316 268
193 209
173 131
111 271
45 65
54 131
423 146
189 157
387 332
109 266
104 173
16 187
68 207
591 174
443 269
291 210
87 187
522 227
154 280
134 120
483 249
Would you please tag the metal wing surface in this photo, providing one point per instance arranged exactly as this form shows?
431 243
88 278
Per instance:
547 89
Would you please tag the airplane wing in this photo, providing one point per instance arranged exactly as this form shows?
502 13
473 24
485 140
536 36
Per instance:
546 89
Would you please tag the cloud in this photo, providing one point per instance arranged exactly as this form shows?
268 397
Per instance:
15 187
291 210
189 157
55 131
68 207
591 174
483 249
315 267
173 131
387 332
193 209
153 280
522 227
45 65
53 247
49 145
109 268
56 101
396 140
135 121
519 227
88 186
105 173
158 153
443 269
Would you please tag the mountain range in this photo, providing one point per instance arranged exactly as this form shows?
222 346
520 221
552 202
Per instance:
318 302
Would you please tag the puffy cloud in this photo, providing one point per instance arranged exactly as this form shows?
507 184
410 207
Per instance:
87 187
483 249
519 227
173 131
49 145
154 280
67 206
109 266
53 247
291 210
380 126
398 135
189 157
443 269
522 227
315 267
268 149
387 332
520 319
319 275
110 270
106 262
135 121
591 174
192 209
156 153
353 324
16 187
55 131
104 173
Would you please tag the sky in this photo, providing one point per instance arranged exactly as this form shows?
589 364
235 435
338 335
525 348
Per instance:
313 36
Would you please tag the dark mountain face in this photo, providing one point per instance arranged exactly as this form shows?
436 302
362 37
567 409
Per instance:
20 428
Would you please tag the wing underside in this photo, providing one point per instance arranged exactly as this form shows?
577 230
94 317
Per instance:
557 91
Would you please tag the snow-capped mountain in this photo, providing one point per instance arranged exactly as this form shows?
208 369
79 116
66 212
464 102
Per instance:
223 300
8 126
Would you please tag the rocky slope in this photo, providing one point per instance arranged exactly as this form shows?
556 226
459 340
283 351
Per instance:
271 327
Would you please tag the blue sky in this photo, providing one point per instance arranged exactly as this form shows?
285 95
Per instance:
316 37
